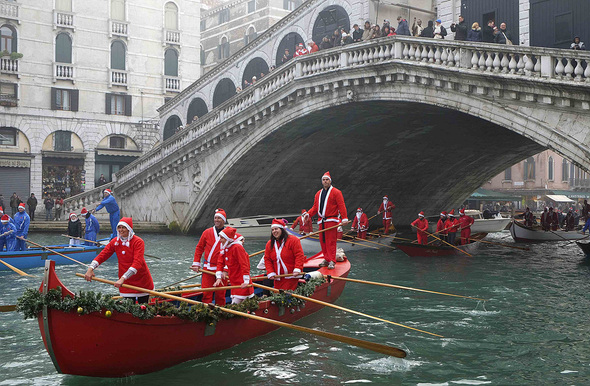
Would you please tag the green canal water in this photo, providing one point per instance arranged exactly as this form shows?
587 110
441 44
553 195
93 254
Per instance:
532 330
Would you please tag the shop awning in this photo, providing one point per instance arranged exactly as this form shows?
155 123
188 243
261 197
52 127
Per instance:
119 152
63 154
572 193
559 198
490 195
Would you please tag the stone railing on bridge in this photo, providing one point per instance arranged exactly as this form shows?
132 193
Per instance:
86 199
483 59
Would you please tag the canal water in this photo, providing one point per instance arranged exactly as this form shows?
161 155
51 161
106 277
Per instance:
533 328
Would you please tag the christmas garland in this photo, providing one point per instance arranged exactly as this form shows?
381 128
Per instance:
87 302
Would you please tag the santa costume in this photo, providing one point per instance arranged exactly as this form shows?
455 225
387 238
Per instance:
465 222
235 261
132 265
422 225
452 226
304 222
440 225
360 224
209 245
301 50
283 257
386 208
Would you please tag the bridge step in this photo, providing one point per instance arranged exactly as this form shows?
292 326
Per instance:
62 226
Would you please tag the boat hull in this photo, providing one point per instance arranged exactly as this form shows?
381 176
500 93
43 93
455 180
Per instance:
121 345
523 234
482 225
36 257
585 247
430 250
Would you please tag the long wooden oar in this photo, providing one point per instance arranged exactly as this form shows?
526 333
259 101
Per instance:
372 242
262 277
350 242
344 309
188 290
8 308
450 245
377 347
22 273
53 251
98 243
181 281
401 287
304 237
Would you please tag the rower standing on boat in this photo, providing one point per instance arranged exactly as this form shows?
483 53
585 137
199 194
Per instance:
569 223
328 205
209 246
421 224
545 219
74 229
133 269
234 263
283 254
386 208
553 219
360 224
452 226
92 227
8 239
465 223
440 225
304 222
529 219
21 222
112 208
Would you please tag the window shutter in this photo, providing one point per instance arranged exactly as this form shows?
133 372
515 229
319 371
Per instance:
74 99
107 109
219 52
128 105
246 40
15 90
226 50
53 92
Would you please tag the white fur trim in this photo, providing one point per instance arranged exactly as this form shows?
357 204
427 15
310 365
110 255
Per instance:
271 275
130 272
220 215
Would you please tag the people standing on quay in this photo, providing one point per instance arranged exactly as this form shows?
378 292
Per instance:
487 32
417 28
92 227
21 222
14 203
367 32
440 226
386 208
59 203
465 223
475 34
402 27
112 208
552 220
32 203
328 205
7 239
74 229
421 225
439 31
234 257
133 269
452 226
48 202
360 224
304 222
428 32
503 36
529 219
209 245
569 223
283 254
357 33
460 29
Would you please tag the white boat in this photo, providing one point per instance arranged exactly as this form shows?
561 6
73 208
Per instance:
311 245
480 225
522 233
259 226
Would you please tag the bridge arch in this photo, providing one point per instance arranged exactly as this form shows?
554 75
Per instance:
255 67
172 124
225 89
197 108
329 19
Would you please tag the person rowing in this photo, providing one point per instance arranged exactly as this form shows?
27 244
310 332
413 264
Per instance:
283 254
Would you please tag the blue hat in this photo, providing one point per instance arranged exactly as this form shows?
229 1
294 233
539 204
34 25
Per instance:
438 21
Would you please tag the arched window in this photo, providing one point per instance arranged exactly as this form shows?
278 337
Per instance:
529 169
171 16
224 90
118 10
7 38
63 5
171 62
223 48
550 169
251 34
565 171
196 110
63 48
289 42
329 19
171 127
118 55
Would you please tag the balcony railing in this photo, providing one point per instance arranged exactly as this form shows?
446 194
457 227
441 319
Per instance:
9 9
118 78
172 84
63 19
63 71
171 37
119 28
9 66
8 100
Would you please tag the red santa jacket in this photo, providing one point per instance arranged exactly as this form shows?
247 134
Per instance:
301 51
440 226
386 210
284 258
130 256
209 244
361 224
421 224
235 261
452 225
333 206
305 224
466 221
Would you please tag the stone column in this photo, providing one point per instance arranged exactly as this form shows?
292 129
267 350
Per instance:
524 21
36 181
89 163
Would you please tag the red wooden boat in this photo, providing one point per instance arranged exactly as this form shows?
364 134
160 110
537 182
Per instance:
419 250
122 345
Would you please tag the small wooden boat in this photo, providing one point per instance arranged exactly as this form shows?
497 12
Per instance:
312 245
36 257
118 344
522 233
480 224
259 226
441 249
585 247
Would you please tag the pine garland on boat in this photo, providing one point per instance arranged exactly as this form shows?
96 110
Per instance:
86 302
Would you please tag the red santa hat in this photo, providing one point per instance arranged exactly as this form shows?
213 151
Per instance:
277 224
229 233
1 209
462 212
21 205
84 211
359 209
108 191
303 211
443 213
5 219
452 213
127 222
221 213
300 44
327 174
73 215
385 198
421 214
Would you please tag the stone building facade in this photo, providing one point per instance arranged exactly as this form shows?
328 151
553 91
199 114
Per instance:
80 83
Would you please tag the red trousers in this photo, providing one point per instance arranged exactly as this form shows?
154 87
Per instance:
361 235
465 235
386 225
422 238
328 240
207 282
